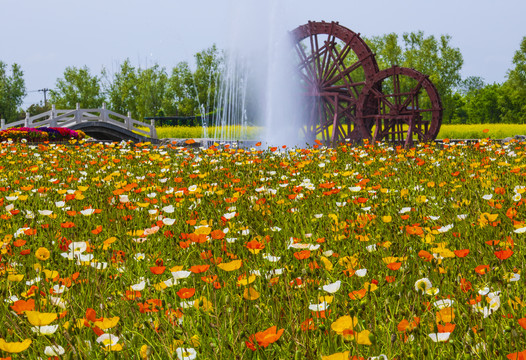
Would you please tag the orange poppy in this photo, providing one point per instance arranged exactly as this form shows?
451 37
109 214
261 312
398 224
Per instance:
19 242
30 232
157 270
517 355
522 323
461 253
269 336
217 234
20 306
186 293
482 269
209 278
255 246
308 325
503 254
465 285
405 325
189 142
197 269
394 265
303 254
448 327
97 230
357 294
426 256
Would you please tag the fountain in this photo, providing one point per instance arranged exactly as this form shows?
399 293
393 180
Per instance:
257 87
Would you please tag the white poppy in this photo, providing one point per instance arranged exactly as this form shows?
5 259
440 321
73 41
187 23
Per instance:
361 272
437 337
54 350
45 330
422 285
168 221
319 307
87 212
182 274
168 209
332 288
186 353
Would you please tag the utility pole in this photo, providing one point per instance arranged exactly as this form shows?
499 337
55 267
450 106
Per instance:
44 90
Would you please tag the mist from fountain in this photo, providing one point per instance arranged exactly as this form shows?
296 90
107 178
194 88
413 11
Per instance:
258 85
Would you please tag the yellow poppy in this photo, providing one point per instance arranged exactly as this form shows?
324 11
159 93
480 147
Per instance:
14 347
37 318
231 266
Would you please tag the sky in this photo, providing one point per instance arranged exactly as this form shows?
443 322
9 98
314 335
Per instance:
45 37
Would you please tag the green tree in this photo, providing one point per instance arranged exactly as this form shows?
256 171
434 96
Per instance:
12 91
482 105
152 84
513 99
122 89
193 92
78 86
437 59
386 49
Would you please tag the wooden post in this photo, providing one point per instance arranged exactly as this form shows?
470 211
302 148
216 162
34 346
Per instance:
52 115
77 114
103 113
129 124
2 123
27 121
153 132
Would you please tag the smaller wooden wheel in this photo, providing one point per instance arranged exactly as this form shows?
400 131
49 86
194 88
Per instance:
407 109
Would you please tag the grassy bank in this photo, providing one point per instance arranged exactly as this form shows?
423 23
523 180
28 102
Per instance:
480 131
473 131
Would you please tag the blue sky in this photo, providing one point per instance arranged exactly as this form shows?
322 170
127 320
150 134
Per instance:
45 37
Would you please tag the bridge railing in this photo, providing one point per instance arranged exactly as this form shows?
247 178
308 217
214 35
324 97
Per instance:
67 118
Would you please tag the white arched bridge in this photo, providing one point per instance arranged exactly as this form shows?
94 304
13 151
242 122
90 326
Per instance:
101 124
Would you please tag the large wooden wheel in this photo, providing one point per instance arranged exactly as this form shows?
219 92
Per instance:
407 109
335 65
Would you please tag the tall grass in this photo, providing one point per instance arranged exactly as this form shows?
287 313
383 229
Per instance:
449 131
477 131
185 132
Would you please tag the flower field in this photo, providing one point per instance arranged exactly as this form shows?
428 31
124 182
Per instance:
130 251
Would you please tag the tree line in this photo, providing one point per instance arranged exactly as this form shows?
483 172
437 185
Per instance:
184 91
